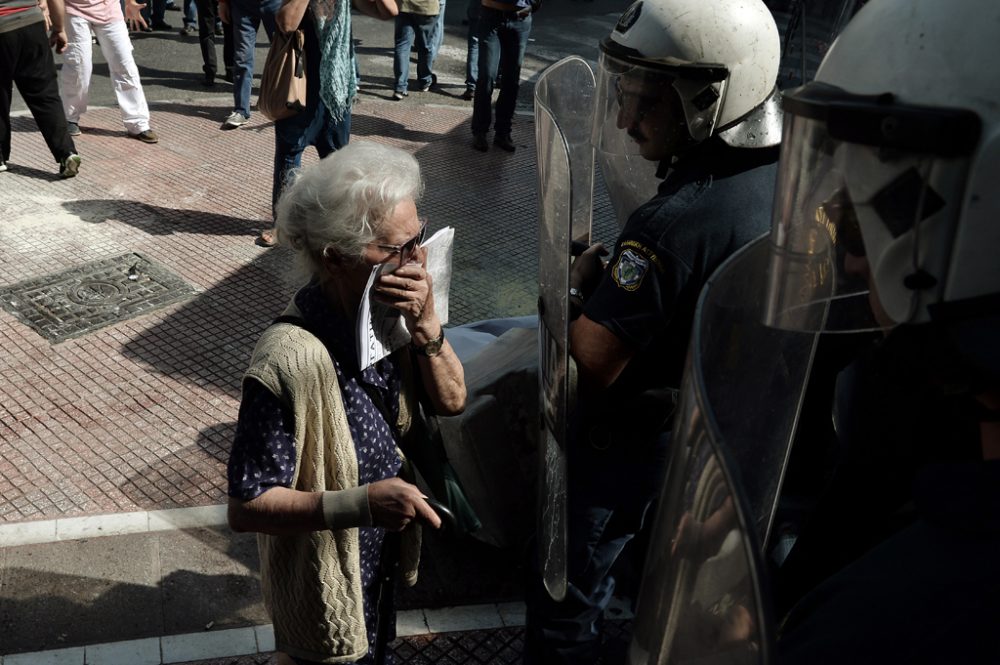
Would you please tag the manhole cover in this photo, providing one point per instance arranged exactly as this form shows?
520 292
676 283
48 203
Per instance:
93 295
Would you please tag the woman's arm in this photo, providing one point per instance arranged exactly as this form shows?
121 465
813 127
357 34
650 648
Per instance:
410 290
290 15
391 503
380 9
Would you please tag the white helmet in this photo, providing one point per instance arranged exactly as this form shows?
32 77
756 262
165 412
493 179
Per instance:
893 154
724 54
688 70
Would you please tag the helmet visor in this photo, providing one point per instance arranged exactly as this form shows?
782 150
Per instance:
863 224
643 115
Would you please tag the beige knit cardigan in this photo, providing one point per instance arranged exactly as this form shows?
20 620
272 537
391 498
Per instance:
312 581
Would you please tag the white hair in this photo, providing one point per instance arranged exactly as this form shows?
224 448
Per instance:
341 202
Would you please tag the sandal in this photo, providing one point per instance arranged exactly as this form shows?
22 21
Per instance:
266 238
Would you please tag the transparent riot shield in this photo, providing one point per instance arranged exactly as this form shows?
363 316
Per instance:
701 599
563 111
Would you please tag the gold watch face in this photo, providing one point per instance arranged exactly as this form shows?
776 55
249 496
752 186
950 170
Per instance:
433 347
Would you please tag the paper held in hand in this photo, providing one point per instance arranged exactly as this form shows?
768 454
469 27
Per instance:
381 329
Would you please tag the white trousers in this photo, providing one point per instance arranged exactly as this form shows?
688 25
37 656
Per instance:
78 64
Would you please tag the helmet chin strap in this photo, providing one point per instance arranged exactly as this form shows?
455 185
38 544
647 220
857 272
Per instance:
761 128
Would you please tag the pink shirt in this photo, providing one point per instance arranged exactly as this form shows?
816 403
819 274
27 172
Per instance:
100 12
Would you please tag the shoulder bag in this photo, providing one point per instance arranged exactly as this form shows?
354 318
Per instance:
283 82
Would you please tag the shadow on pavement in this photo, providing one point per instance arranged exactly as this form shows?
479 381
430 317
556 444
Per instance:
157 220
208 340
60 610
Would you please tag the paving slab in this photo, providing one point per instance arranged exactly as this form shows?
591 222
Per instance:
107 586
210 580
138 415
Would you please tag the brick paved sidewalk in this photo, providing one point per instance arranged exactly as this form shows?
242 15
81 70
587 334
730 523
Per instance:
138 415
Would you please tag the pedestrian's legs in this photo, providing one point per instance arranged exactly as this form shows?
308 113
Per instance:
117 49
246 20
513 42
26 59
206 36
334 134
425 28
190 13
292 135
159 12
472 51
609 499
438 34
6 91
404 36
228 46
490 21
77 67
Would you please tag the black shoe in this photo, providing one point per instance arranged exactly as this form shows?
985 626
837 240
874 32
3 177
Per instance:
479 142
218 31
209 79
228 76
503 141
161 25
469 94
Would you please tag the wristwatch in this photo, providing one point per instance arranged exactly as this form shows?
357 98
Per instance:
431 348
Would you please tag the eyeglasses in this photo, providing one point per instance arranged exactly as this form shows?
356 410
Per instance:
405 250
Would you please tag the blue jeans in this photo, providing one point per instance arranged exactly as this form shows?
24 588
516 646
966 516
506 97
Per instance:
610 493
438 34
503 38
311 126
472 50
423 30
246 17
190 13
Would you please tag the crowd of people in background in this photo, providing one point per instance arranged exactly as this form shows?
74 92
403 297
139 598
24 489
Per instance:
497 38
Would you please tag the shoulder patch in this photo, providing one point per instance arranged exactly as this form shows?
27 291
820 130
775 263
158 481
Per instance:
629 270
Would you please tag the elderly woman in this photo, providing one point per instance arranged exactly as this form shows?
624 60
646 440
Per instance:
315 463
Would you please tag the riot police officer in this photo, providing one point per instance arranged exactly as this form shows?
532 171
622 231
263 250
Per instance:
686 106
884 222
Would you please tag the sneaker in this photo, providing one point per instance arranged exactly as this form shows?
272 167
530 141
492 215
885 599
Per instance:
187 31
424 87
469 94
235 119
218 30
73 128
399 94
3 166
147 136
69 166
479 143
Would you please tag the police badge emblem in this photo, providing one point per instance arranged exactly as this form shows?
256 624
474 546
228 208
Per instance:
629 270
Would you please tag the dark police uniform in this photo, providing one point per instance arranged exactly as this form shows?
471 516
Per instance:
711 203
